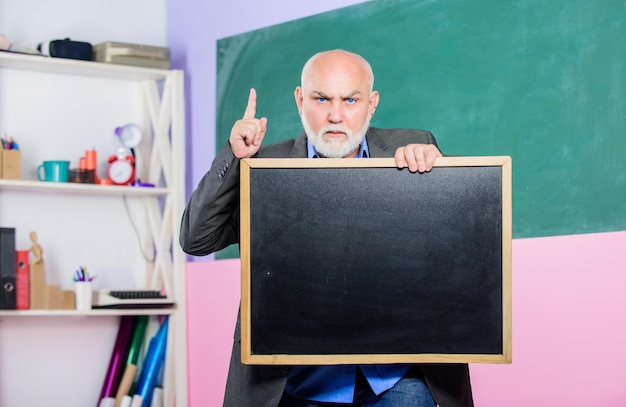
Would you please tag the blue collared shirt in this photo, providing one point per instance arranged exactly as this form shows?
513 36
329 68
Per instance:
336 383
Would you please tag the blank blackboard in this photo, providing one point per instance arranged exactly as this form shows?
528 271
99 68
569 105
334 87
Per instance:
355 261
540 81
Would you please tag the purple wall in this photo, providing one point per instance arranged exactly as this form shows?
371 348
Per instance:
193 30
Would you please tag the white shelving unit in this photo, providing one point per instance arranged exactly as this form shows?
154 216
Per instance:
131 231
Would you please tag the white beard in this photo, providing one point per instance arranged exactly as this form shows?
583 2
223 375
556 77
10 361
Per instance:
335 148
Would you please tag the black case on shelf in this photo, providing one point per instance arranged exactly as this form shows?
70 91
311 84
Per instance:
7 268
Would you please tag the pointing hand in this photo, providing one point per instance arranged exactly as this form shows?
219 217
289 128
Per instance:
248 132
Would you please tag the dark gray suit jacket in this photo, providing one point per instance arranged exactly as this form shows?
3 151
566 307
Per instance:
211 222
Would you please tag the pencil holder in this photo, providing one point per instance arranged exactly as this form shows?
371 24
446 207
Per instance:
83 293
10 164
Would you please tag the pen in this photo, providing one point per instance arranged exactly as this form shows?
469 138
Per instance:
8 143
82 274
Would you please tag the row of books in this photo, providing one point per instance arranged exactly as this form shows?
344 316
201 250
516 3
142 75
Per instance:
131 380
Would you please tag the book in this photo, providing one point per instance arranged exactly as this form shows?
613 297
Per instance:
22 279
7 268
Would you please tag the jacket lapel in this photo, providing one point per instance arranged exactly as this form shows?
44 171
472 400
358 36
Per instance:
375 144
299 149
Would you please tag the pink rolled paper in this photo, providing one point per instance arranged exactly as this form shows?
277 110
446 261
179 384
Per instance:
118 358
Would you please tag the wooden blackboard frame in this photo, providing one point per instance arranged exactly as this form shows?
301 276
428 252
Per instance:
251 197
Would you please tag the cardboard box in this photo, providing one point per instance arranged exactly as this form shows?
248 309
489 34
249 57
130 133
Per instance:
132 54
10 164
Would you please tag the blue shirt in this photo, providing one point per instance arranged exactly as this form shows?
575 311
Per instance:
336 383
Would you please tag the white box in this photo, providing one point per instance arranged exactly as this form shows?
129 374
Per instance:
132 54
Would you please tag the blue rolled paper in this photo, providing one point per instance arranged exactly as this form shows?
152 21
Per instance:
153 362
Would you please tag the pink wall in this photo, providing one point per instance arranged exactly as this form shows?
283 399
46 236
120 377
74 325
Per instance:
212 304
568 326
569 329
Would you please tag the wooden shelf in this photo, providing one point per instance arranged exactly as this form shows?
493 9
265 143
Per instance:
77 67
92 313
86 189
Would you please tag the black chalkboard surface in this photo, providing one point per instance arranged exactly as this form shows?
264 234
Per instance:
355 261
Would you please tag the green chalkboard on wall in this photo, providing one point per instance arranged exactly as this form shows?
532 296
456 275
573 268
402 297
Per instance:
542 82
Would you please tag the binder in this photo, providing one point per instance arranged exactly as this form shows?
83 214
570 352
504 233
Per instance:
7 268
22 279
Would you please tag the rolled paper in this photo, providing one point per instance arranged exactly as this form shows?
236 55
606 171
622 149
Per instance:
152 364
157 397
107 402
137 401
118 357
130 371
125 384
139 332
126 400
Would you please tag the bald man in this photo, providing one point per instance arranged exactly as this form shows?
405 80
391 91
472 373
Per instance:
336 101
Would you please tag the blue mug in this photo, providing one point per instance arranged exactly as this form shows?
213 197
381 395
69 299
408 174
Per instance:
54 171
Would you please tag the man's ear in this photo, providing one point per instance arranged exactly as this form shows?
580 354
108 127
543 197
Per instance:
297 94
374 99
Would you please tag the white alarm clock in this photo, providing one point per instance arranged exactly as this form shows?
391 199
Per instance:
121 169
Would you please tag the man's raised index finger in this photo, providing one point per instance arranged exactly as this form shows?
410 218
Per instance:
251 108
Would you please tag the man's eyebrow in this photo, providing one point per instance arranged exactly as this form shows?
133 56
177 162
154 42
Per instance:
320 94
352 94
317 93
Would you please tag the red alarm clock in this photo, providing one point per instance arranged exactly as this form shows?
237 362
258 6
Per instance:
121 169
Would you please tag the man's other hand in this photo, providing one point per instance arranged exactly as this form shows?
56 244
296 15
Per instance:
418 157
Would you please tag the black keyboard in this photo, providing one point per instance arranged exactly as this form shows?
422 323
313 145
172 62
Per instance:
135 294
130 299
